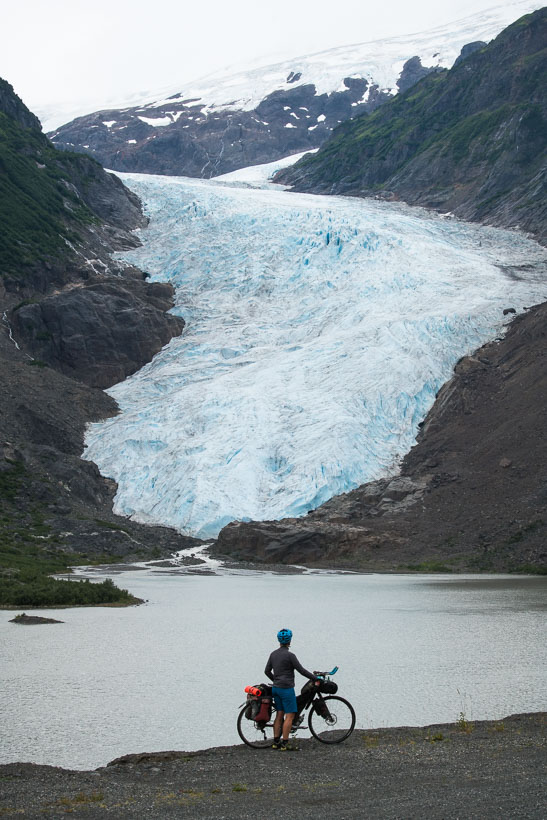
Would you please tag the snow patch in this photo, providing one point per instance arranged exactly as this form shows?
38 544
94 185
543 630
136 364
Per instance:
377 61
156 122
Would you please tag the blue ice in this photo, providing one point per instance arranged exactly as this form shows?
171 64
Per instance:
319 330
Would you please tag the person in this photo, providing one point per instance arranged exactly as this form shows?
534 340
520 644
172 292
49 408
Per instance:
280 670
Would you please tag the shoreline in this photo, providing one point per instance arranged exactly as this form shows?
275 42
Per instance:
490 769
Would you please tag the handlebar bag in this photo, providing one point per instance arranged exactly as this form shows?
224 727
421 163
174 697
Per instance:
328 687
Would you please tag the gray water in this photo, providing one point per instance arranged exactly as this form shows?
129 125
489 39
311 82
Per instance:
170 674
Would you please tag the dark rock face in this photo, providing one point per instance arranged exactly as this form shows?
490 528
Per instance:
470 140
413 70
70 323
472 493
13 107
43 415
100 332
469 49
80 311
201 143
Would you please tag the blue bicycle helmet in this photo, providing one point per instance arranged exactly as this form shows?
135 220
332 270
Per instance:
284 636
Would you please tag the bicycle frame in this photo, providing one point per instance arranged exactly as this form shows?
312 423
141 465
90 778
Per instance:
331 722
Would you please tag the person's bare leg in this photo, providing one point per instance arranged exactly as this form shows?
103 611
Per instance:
277 723
287 724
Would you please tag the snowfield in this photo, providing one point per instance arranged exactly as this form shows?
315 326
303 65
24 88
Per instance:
319 330
243 87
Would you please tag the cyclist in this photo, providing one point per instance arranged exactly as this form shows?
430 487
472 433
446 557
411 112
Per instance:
280 670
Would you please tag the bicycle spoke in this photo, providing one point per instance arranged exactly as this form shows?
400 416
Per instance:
332 719
256 735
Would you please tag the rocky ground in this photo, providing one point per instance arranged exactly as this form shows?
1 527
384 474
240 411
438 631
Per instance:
489 769
472 494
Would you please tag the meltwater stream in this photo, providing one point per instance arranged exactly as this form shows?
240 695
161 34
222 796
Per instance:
318 331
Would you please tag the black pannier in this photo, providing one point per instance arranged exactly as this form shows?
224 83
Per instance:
302 700
328 687
308 687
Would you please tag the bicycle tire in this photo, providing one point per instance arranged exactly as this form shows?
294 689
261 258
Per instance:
255 736
339 724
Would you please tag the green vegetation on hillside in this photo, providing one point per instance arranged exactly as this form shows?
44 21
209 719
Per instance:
40 208
473 136
30 553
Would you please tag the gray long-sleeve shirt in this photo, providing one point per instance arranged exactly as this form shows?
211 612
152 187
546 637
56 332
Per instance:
280 668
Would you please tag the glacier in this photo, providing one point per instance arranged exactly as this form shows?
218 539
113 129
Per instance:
318 332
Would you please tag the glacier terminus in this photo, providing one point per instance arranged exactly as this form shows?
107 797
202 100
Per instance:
318 332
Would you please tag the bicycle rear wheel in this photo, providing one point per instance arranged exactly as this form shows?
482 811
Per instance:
257 735
336 724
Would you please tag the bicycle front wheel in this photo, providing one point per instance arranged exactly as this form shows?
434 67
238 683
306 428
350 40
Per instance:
332 719
258 735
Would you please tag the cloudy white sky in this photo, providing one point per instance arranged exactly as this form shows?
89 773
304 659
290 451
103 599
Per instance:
61 50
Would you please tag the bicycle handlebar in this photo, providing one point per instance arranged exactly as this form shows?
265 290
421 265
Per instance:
326 674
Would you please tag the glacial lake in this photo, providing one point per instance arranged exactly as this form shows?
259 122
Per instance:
170 674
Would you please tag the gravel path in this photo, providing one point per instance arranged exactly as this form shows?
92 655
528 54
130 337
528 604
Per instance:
490 769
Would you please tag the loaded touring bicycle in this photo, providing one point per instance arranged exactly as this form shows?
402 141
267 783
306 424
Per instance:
329 718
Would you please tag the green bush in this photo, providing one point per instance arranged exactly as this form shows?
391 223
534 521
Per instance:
35 589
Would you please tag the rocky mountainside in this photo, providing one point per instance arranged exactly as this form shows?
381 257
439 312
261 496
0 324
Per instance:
181 137
67 301
470 140
471 495
225 122
73 320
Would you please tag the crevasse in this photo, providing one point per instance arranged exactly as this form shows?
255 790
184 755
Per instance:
319 330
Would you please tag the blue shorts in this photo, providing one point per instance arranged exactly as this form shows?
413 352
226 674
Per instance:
284 699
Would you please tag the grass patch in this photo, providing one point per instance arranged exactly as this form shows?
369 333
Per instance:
40 208
464 725
80 799
529 569
429 566
108 525
436 738
520 535
42 591
30 554
371 741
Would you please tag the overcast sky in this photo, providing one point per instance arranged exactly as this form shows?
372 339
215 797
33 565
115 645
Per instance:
61 50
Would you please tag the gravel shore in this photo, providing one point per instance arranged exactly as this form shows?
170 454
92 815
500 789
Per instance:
489 769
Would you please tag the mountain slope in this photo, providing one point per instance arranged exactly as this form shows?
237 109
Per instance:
470 140
50 201
62 216
471 494
231 120
65 303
